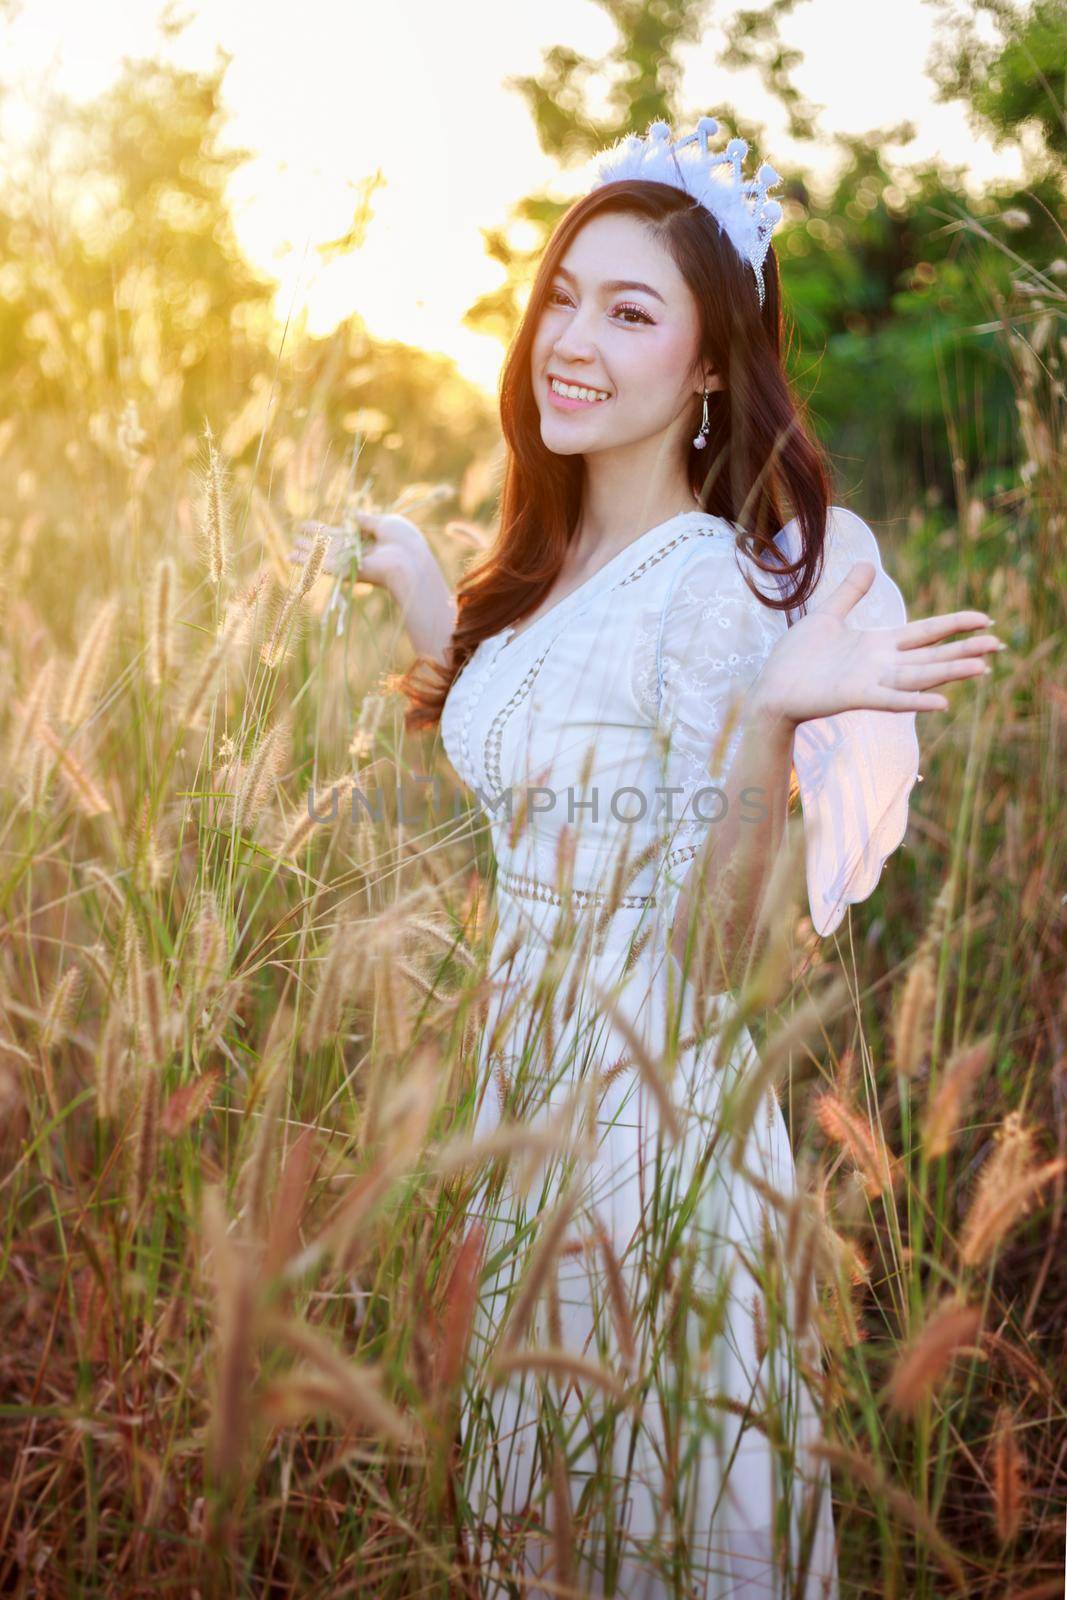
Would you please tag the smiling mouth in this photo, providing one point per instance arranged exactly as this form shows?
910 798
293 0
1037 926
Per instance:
577 392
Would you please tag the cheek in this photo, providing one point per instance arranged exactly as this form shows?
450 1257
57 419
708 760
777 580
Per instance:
659 356
644 369
541 348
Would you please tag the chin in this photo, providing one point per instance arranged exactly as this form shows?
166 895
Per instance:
559 441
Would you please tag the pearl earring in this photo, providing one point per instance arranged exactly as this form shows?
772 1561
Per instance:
702 437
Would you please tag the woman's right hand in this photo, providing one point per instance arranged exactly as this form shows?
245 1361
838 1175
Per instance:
397 557
392 548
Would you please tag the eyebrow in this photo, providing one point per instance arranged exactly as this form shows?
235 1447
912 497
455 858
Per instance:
618 283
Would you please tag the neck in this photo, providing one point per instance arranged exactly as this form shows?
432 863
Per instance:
626 491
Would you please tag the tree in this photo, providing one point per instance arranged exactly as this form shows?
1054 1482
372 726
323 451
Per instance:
643 78
1014 82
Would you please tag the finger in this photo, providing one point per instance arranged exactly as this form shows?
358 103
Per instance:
925 677
927 630
905 700
853 587
985 644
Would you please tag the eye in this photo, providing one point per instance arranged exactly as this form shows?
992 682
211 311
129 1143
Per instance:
638 314
642 316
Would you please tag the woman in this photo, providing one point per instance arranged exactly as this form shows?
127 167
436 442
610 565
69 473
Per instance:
627 682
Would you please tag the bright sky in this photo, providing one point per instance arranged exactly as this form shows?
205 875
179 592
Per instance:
326 94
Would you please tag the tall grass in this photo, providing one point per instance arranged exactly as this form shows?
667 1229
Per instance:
235 1069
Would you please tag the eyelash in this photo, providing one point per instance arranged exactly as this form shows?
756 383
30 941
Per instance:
626 306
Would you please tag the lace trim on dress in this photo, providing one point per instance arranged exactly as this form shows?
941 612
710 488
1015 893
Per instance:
494 739
665 550
527 888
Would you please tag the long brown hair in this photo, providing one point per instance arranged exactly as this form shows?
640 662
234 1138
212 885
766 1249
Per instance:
762 464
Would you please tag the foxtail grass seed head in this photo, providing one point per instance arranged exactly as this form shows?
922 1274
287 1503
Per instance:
940 917
83 683
189 1102
750 1098
852 1132
62 1004
28 714
542 1262
259 777
923 1363
255 1174
357 1386
157 1022
561 1364
992 1218
913 1015
367 725
619 1299
236 1306
308 823
210 949
562 1517
1013 1155
461 1302
145 999
275 647
215 512
146 1136
1008 1476
954 1090
327 1008
312 567
83 787
161 623
203 681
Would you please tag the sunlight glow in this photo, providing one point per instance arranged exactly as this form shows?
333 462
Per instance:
326 96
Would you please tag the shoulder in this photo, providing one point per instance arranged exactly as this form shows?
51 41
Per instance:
848 539
714 576
702 537
714 626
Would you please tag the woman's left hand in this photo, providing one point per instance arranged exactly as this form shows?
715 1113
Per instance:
823 665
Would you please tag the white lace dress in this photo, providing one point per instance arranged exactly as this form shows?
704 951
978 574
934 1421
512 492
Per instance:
600 728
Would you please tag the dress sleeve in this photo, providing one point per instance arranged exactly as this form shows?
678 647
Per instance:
714 637
855 770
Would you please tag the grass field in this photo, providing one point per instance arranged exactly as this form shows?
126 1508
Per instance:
235 1055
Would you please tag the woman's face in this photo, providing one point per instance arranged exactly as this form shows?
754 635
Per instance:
619 320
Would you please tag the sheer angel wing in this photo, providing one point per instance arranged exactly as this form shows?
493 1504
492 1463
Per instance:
856 770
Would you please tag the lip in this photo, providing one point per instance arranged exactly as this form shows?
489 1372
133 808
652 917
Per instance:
562 403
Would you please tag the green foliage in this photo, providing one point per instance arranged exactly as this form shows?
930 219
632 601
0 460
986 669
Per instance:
895 281
1015 81
127 268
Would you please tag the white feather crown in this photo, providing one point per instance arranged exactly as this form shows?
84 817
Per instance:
739 205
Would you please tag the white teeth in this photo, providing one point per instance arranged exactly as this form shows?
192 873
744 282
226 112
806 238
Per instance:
574 391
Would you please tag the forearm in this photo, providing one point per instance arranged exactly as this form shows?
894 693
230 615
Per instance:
427 605
724 886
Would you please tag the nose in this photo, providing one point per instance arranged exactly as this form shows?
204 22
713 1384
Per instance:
574 342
